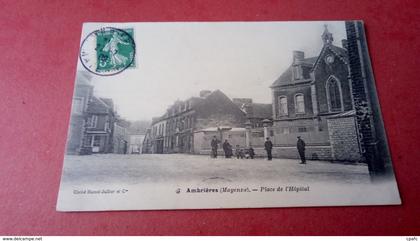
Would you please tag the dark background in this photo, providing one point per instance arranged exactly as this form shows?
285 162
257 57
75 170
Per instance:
39 43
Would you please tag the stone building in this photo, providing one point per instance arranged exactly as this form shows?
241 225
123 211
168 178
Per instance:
372 136
83 92
99 127
146 146
120 136
313 99
174 132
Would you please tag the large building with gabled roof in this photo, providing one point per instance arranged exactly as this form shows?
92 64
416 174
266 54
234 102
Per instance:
309 93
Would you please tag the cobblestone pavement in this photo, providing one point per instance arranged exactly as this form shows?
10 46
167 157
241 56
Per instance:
153 168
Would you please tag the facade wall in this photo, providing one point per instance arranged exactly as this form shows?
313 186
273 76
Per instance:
135 144
120 140
312 131
311 153
219 119
185 118
75 134
322 72
290 93
344 139
82 96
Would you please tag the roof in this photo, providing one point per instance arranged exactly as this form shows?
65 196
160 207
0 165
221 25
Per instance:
262 110
83 78
287 76
108 102
122 123
98 105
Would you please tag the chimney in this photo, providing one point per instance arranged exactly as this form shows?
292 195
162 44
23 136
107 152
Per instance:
344 43
298 57
204 93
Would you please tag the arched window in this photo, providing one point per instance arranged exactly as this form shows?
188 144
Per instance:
334 95
283 106
299 104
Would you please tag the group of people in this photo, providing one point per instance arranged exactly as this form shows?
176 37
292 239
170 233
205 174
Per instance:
249 152
240 153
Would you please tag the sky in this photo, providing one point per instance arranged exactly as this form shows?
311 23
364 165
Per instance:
174 61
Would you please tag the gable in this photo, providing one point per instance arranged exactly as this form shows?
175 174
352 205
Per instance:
98 106
339 53
287 76
217 103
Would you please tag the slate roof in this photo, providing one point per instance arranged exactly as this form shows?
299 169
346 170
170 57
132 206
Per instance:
99 105
264 111
286 76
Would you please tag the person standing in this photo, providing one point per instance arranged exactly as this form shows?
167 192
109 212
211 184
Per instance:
227 149
251 152
301 149
268 145
214 145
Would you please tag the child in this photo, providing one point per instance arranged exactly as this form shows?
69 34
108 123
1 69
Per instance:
239 152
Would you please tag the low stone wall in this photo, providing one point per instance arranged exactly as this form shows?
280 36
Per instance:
343 138
290 152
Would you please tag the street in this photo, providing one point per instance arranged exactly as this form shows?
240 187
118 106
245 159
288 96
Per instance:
167 168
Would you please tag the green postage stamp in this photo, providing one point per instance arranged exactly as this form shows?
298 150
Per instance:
108 51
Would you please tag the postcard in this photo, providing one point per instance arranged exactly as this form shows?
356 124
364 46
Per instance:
205 115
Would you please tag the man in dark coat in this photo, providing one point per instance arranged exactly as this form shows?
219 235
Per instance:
268 145
301 149
251 152
214 145
227 148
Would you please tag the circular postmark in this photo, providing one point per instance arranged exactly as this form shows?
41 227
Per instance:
108 51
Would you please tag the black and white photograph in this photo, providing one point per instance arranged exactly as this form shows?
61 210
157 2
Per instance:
205 115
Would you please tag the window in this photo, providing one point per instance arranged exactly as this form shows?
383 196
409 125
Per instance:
88 141
77 105
93 121
97 141
302 129
283 106
334 95
299 104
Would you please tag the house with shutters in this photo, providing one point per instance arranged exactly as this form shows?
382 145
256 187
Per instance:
99 128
